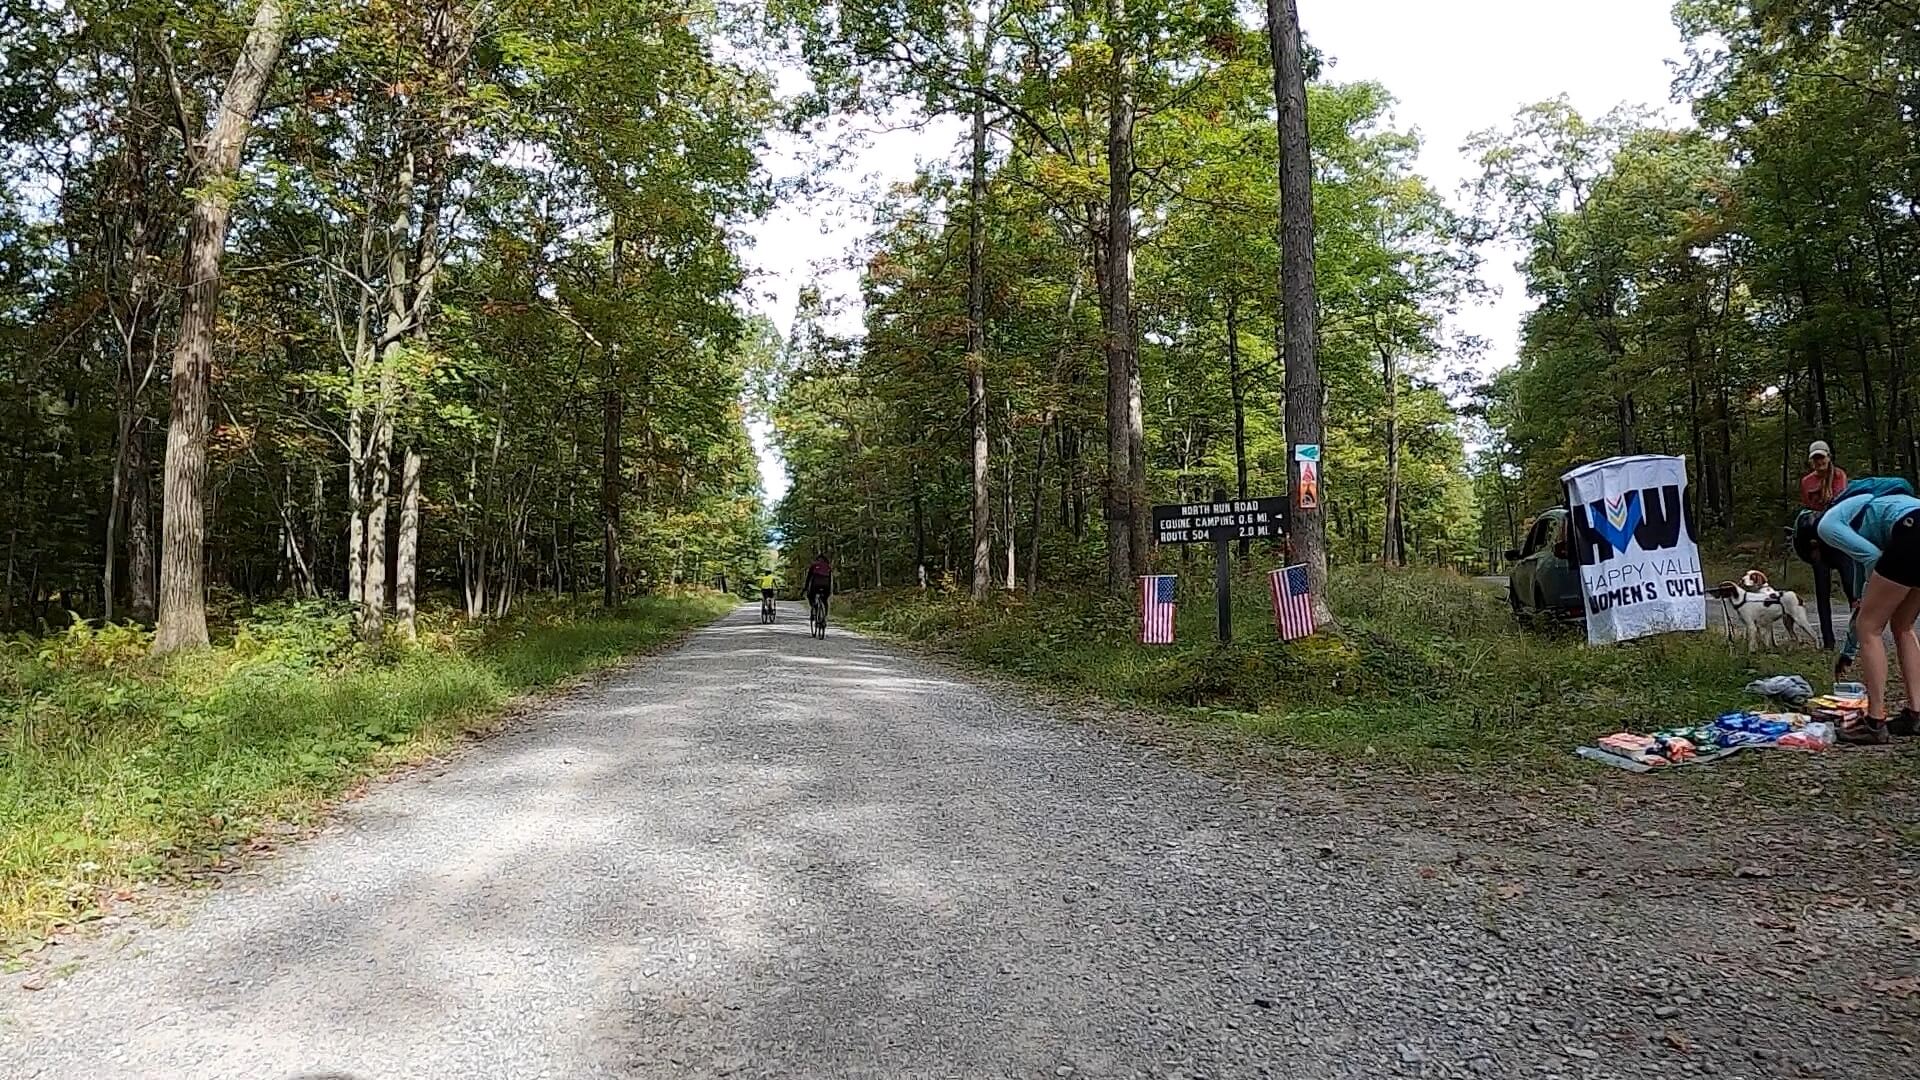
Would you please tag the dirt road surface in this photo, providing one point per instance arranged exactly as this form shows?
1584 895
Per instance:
761 855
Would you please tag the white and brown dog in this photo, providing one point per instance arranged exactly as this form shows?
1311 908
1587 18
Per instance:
1755 605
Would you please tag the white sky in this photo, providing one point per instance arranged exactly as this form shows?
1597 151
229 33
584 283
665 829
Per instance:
1455 66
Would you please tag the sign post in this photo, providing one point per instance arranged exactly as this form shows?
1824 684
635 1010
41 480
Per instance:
1222 585
1221 522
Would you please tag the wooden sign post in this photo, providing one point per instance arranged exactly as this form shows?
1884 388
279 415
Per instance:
1220 523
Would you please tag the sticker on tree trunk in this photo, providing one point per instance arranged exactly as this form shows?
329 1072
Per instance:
1306 493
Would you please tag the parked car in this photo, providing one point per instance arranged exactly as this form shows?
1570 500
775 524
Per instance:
1542 580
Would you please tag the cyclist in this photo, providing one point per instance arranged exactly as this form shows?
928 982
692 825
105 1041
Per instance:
766 595
819 587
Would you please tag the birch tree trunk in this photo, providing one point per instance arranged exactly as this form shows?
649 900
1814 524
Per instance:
977 327
398 328
1006 509
183 596
406 574
449 48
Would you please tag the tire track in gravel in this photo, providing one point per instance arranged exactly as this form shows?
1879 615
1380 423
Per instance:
761 855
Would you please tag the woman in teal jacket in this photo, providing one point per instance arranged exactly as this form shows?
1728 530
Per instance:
1881 534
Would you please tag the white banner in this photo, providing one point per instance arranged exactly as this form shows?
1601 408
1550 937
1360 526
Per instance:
1633 546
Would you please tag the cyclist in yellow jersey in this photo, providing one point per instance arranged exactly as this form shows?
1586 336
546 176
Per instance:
766 596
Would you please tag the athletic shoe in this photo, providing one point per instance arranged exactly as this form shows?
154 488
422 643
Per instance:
1865 732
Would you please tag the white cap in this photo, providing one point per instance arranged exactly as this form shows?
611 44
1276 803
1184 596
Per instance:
1819 449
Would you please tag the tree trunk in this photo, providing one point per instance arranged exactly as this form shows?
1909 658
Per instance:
1787 488
139 361
1238 388
406 571
1038 517
1897 412
183 598
6 598
1712 500
373 586
1816 368
613 417
977 327
1298 296
1393 547
356 511
399 326
1727 502
1123 414
140 563
116 497
1006 508
919 524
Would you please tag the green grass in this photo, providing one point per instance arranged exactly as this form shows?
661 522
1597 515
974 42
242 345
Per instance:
115 768
1427 668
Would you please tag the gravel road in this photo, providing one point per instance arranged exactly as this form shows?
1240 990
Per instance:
760 855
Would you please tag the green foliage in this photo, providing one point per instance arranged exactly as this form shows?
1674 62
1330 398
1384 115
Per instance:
1729 293
468 222
872 429
114 767
1428 669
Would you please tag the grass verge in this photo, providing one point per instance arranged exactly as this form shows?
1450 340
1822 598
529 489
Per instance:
116 768
1427 669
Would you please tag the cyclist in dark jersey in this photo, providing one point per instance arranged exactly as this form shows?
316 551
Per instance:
819 579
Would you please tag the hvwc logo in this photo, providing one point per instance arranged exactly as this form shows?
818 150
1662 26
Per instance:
1649 517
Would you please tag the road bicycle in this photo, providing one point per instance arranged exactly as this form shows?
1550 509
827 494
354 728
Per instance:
767 610
817 615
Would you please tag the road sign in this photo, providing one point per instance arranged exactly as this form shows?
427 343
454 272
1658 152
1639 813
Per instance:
1220 523
1258 518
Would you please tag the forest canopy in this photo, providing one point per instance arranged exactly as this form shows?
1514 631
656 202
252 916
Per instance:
399 303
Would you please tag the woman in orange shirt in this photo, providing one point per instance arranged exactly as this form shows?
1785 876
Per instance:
1824 480
1823 483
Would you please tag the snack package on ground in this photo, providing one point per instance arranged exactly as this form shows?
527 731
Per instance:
1815 736
1747 723
1837 710
1626 743
1850 690
1838 701
1674 748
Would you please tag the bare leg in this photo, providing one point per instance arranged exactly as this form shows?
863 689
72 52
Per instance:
1908 646
1876 611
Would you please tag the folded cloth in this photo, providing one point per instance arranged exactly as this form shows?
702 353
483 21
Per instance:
1791 688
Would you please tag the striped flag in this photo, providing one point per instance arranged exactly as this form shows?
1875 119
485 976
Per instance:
1156 609
1292 603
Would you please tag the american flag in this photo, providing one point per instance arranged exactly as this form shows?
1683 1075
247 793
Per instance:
1156 609
1292 603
